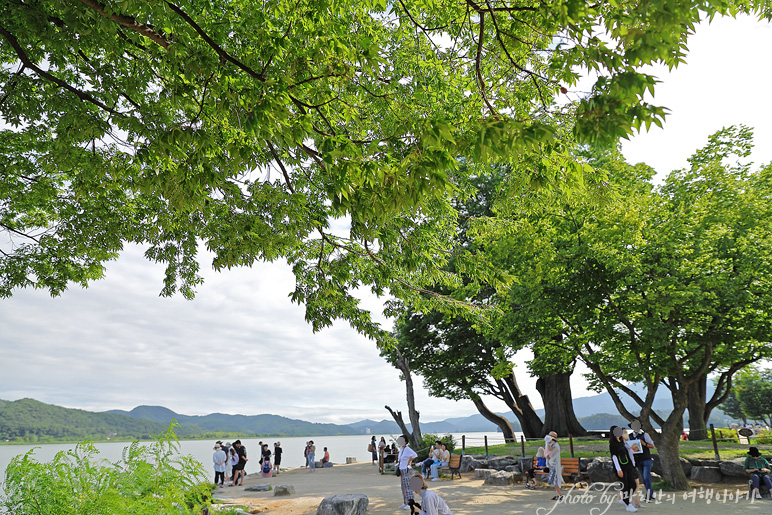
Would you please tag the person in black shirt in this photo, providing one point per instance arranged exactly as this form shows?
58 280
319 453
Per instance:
238 469
277 450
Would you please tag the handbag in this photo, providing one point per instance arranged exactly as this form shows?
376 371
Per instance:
399 472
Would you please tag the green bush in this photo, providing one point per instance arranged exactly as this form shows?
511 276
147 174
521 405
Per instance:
726 435
428 441
148 480
763 438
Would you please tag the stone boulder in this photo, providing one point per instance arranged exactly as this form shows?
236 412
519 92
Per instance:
284 490
525 463
734 468
350 459
483 473
500 478
657 465
343 504
707 474
513 468
257 488
468 464
601 470
501 463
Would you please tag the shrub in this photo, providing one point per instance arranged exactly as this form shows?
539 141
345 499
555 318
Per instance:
428 441
148 480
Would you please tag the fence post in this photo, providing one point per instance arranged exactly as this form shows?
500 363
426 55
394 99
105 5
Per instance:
571 443
486 447
463 444
522 446
715 444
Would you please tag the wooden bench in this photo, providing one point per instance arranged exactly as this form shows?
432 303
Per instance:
454 465
570 469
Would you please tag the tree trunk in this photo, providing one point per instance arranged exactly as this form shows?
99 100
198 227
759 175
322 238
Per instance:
530 423
559 414
415 436
698 414
668 441
503 423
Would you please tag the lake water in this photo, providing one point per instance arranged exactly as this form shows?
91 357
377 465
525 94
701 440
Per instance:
339 447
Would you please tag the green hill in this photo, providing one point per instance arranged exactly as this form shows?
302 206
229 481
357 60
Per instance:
28 420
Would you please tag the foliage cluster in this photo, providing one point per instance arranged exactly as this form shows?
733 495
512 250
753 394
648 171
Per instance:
148 480
752 394
428 440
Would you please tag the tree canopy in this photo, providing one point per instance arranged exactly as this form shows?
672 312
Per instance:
258 129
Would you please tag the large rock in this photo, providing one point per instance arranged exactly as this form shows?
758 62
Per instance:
707 474
734 468
257 488
657 465
468 464
501 463
343 504
284 490
500 478
601 470
484 473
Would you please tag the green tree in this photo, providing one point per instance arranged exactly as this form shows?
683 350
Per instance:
251 127
655 286
732 407
753 390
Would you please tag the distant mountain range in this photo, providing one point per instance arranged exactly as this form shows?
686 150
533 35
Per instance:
28 420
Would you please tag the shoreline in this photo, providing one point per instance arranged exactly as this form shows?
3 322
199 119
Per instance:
466 496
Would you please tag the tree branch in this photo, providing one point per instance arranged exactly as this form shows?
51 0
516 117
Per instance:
129 22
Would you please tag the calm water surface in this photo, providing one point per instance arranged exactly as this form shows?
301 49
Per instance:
339 448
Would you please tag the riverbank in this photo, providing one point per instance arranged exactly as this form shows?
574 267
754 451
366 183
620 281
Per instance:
468 496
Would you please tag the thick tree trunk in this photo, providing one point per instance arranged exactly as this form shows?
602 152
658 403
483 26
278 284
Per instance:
530 423
415 436
668 441
698 414
559 414
503 423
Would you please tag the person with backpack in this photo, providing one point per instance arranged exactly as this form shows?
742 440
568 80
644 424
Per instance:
624 463
267 468
644 461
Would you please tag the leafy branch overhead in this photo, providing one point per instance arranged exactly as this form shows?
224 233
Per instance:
260 128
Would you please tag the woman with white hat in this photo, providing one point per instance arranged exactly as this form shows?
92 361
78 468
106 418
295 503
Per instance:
552 453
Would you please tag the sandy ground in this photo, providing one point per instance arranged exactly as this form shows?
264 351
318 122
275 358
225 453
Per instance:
467 496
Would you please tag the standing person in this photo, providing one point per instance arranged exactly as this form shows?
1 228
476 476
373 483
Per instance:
431 503
644 461
552 453
444 456
404 470
759 470
219 457
624 463
238 469
311 452
373 449
228 465
266 469
277 450
260 448
305 452
233 457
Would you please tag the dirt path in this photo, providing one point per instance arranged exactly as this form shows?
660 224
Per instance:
468 496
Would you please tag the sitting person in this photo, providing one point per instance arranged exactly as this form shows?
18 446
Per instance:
434 455
326 457
444 461
541 464
758 468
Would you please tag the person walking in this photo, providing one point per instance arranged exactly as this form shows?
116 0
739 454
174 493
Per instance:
311 452
277 450
404 471
219 457
552 453
373 449
644 461
624 463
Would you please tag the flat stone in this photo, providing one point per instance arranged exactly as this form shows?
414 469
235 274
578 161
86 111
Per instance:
501 463
500 478
512 468
707 474
343 504
257 488
284 490
734 468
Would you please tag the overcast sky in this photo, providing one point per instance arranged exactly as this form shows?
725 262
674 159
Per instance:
242 347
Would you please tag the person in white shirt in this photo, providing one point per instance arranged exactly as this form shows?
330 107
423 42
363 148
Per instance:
552 453
444 459
219 458
431 503
404 468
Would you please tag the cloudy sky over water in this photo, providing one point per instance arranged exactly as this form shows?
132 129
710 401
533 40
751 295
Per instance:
242 347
